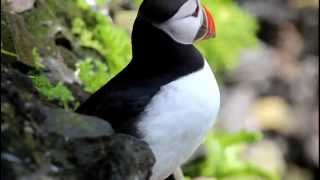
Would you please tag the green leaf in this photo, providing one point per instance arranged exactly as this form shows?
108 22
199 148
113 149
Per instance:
57 92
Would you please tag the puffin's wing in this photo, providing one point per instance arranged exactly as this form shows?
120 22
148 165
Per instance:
119 105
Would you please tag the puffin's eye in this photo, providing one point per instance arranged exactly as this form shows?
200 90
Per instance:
196 12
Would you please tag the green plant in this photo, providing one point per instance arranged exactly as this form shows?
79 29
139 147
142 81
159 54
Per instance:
52 92
92 73
45 88
224 161
236 30
8 53
37 59
110 41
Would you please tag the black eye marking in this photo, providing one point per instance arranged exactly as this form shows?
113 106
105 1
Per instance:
196 12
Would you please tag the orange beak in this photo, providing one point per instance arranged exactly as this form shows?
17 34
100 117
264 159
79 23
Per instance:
211 27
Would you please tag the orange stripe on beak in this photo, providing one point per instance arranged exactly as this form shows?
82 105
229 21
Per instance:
210 24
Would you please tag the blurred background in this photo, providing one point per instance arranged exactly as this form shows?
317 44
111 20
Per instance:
265 56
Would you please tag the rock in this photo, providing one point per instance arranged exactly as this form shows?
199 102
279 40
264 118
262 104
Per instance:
6 35
271 14
308 25
297 173
125 19
68 56
304 4
58 70
37 29
116 157
312 149
71 125
268 155
40 141
255 68
43 43
236 103
273 11
21 5
23 41
272 113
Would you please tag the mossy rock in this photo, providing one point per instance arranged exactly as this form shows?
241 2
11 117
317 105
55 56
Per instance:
41 141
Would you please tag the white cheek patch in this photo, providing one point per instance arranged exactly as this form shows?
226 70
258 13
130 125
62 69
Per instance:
183 30
183 27
187 9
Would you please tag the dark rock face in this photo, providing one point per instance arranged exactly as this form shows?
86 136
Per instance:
39 140
116 164
75 126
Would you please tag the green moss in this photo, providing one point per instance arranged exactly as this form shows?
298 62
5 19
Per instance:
40 20
7 111
57 92
52 92
7 42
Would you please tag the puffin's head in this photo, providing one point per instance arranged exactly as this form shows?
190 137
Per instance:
185 21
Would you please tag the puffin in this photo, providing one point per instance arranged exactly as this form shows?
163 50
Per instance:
167 95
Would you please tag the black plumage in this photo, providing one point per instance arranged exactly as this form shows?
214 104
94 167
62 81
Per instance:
157 60
160 10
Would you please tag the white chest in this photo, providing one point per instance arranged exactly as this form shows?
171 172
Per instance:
177 119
